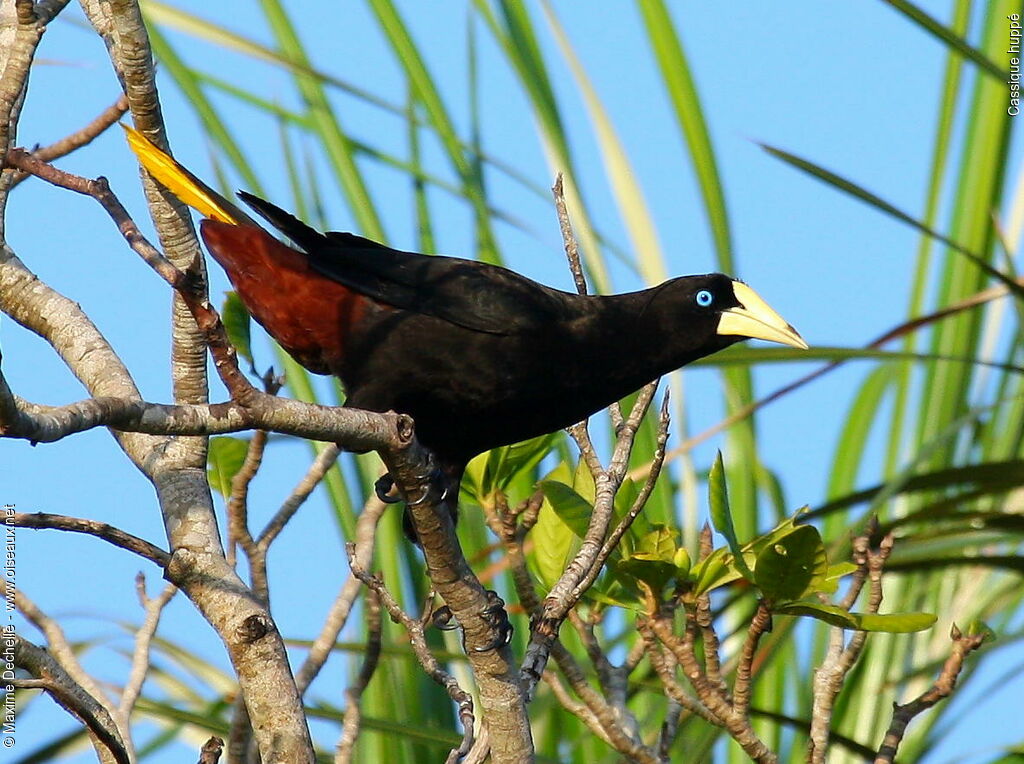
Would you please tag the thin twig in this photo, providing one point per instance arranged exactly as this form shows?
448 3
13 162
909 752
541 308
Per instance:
353 717
57 645
317 471
598 659
238 507
586 567
639 502
108 533
572 254
575 707
187 284
664 665
358 430
709 694
841 655
79 138
943 688
759 624
620 728
572 250
320 649
421 650
153 609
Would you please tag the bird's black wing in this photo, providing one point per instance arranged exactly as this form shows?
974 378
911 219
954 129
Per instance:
477 296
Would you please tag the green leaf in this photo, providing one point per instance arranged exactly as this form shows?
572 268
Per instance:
717 569
859 192
786 568
573 509
655 573
503 464
225 459
659 543
667 48
425 86
950 37
894 623
237 323
836 572
721 516
553 544
618 589
494 470
622 176
334 140
980 627
555 539
583 482
654 559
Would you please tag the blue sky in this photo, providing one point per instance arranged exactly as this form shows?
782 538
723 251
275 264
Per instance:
853 86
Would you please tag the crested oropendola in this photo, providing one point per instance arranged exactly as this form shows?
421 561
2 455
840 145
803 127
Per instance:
478 355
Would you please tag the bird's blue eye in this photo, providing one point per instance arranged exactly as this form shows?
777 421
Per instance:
704 298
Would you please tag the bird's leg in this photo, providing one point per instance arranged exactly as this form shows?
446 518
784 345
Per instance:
494 615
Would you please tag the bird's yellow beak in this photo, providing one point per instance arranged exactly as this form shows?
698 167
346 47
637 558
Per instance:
755 319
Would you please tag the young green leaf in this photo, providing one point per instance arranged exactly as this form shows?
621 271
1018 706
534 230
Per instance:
717 569
505 463
654 559
654 573
225 458
237 324
571 508
721 516
554 542
681 559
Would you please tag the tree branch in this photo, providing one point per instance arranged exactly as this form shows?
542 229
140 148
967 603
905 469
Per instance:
77 139
841 655
153 609
943 688
101 530
59 685
353 717
366 531
420 649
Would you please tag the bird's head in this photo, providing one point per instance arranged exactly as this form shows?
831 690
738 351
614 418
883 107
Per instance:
734 310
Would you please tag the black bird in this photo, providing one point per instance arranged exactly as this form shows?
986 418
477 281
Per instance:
478 355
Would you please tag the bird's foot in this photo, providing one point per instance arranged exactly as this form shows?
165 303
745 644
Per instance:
497 618
435 490
443 618
494 615
386 490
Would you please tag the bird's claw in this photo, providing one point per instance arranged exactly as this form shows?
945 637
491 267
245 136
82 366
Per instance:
494 615
385 489
497 618
435 491
443 619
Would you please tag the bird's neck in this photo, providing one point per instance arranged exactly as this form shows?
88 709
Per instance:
639 336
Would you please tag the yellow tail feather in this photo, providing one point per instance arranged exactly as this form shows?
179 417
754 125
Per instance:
180 182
